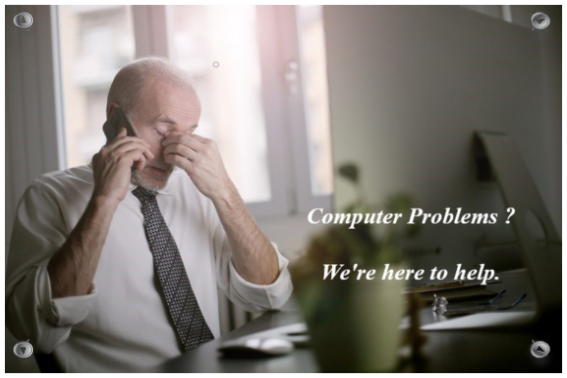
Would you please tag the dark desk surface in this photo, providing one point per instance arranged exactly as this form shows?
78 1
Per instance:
445 351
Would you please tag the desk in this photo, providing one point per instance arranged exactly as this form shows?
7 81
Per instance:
445 351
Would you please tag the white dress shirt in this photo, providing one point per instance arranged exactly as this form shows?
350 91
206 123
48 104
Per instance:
123 324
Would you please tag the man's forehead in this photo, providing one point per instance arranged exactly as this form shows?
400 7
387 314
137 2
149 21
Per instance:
164 99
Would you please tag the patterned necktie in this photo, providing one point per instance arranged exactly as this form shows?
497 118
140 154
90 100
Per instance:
184 310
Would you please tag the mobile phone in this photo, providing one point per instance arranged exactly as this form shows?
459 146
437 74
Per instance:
114 124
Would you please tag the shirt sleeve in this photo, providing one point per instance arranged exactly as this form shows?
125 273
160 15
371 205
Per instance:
31 312
251 297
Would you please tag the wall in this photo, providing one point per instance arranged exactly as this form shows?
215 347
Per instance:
409 85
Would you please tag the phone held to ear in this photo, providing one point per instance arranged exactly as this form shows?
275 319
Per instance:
114 124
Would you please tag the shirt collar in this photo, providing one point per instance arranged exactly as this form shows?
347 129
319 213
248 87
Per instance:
165 190
160 191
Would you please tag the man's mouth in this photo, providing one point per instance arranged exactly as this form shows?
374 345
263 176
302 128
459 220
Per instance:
160 171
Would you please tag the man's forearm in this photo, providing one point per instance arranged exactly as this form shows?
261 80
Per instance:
253 255
72 268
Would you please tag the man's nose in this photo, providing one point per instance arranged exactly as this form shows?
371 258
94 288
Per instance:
163 131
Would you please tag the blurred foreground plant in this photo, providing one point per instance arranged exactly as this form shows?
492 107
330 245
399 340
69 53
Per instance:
369 245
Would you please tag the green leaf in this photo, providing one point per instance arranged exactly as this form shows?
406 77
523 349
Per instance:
349 171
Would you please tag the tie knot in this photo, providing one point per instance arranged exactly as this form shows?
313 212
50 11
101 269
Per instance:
144 195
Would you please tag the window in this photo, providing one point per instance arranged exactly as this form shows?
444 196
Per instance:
259 72
217 45
315 92
96 41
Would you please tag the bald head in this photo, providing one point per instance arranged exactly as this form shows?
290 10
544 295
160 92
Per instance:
130 83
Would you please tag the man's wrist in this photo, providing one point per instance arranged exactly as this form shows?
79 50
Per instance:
103 203
228 198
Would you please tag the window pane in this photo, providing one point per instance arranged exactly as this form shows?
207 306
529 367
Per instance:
231 94
96 41
315 93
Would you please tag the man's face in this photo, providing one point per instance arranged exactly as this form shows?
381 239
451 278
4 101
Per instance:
163 109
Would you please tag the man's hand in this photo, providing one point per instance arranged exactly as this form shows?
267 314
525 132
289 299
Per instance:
200 159
112 166
254 257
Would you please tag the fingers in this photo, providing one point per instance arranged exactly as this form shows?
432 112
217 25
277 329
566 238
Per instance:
128 150
135 157
185 139
127 139
179 161
128 146
123 138
200 138
123 147
122 133
180 149
140 164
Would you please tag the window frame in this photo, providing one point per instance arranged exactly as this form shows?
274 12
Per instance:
290 178
290 184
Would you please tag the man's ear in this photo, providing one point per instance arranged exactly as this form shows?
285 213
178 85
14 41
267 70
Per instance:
111 109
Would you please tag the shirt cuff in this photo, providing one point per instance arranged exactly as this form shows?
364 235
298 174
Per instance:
270 296
66 311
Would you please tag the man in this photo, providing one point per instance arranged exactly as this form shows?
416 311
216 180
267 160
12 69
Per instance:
115 268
